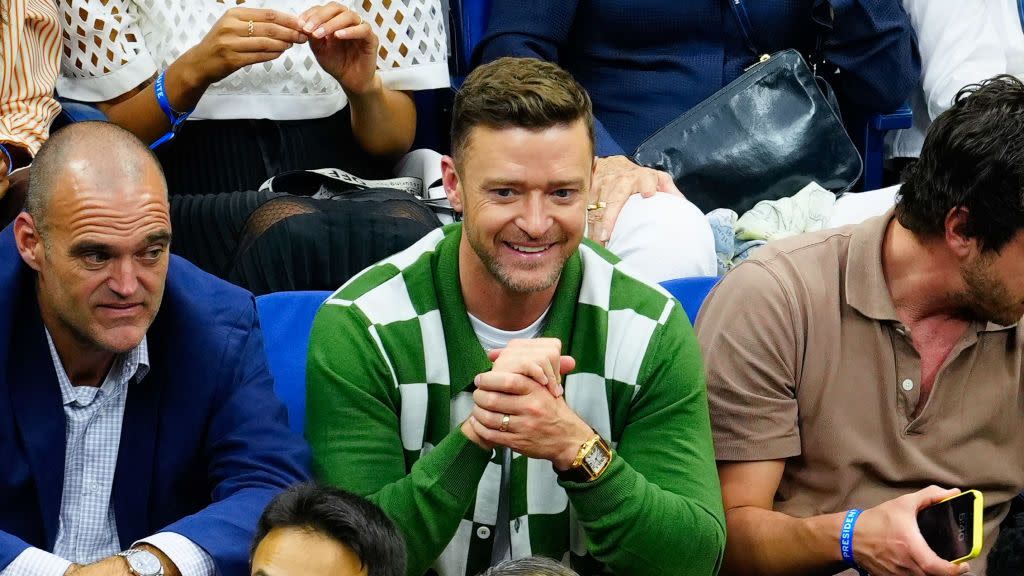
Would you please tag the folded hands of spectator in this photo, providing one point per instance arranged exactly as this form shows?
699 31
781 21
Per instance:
616 178
344 45
239 38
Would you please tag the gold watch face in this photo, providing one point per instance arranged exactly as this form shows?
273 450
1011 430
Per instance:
596 459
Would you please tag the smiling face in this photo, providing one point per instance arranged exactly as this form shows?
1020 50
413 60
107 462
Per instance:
522 193
102 256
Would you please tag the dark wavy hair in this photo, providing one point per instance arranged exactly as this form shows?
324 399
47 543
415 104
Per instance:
973 158
343 517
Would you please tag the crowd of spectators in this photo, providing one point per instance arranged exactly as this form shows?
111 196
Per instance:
511 393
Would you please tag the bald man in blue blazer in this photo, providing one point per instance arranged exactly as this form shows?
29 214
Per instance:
139 431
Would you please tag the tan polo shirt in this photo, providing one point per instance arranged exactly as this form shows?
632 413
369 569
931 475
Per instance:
807 362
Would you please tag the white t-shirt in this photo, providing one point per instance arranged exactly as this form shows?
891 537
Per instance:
961 43
112 46
492 338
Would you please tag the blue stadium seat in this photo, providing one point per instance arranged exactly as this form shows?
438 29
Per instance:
286 318
874 142
691 292
72 111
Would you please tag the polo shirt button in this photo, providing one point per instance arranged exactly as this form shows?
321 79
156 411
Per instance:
483 532
908 384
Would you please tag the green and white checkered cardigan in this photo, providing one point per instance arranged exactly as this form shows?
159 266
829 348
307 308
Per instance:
392 359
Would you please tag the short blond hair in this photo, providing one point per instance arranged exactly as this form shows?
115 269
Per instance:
520 93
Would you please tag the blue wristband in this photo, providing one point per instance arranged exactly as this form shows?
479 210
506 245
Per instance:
846 536
10 161
176 118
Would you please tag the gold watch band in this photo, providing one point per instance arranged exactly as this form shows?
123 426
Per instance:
581 469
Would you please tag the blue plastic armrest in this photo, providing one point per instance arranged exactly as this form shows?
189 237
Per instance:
898 119
874 142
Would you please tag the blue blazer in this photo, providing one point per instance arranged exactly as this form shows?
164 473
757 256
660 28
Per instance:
204 444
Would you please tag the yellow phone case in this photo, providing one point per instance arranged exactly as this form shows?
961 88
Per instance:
979 524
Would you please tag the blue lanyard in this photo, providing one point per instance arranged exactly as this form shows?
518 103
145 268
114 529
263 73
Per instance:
1020 12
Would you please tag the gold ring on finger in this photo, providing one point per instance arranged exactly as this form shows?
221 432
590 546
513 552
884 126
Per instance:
596 206
251 27
505 418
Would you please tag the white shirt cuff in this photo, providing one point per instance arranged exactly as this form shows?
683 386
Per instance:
36 562
190 559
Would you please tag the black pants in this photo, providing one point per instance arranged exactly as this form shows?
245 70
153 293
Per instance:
213 156
270 242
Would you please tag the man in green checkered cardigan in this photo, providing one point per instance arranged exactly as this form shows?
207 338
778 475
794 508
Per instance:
435 377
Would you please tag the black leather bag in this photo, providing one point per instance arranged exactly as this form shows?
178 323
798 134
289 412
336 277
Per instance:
763 137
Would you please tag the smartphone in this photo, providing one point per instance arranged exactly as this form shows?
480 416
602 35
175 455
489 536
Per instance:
953 527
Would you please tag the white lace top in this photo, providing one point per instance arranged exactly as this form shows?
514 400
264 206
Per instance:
112 46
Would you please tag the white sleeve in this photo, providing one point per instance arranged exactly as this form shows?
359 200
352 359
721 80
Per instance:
959 45
36 562
413 52
104 53
188 557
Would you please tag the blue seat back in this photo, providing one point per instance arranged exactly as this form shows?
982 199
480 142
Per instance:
286 319
873 143
691 292
72 111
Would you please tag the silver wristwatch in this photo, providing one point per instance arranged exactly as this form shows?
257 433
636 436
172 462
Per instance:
142 562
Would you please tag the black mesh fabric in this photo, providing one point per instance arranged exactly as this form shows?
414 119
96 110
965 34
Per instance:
207 227
271 242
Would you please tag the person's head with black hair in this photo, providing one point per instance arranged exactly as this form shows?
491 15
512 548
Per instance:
315 530
972 160
532 566
963 201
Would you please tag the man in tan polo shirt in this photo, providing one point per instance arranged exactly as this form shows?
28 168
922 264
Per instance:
868 366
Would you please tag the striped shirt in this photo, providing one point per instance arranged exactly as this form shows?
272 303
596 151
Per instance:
30 41
87 529
393 355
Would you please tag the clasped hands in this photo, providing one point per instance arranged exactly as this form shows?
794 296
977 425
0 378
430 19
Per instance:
520 404
344 45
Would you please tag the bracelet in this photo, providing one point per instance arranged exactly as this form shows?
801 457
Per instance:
10 160
846 536
176 118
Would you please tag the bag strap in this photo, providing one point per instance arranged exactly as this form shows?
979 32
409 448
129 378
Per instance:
822 23
823 18
739 9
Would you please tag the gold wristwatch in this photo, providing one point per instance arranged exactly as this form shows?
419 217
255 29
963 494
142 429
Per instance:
590 462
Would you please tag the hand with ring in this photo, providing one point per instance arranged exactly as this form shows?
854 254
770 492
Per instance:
344 45
616 178
239 38
514 411
519 403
